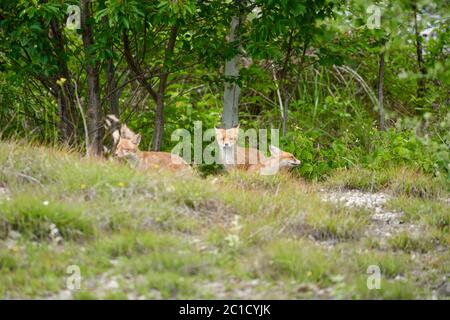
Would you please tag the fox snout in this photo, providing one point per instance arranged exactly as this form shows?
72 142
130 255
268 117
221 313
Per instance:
226 138
118 153
295 163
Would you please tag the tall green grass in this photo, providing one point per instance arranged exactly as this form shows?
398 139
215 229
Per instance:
157 235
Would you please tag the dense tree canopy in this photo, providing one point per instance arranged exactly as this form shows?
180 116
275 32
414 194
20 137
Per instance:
329 74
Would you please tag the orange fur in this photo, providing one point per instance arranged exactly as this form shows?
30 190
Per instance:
234 156
127 148
250 159
279 160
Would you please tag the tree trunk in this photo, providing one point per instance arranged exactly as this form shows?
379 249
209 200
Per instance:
283 83
67 131
111 93
94 114
159 113
419 52
380 90
111 85
159 124
230 115
65 93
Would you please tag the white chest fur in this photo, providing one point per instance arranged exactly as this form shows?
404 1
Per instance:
227 156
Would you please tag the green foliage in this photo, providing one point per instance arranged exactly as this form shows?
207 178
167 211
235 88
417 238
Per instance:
332 116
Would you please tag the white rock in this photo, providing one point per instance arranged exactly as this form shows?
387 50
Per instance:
112 284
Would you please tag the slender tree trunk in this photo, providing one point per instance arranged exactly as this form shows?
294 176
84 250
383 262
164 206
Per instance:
159 114
65 126
111 84
136 68
283 83
419 52
157 96
159 124
94 112
380 90
230 115
140 76
65 93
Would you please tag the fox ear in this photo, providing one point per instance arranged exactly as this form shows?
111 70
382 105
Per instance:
126 132
235 130
116 136
218 130
137 139
123 130
274 150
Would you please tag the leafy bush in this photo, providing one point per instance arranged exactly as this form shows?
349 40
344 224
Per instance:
345 138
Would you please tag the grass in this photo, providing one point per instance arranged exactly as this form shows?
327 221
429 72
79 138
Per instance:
157 236
398 181
32 217
433 214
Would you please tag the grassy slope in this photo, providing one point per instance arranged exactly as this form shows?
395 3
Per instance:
138 235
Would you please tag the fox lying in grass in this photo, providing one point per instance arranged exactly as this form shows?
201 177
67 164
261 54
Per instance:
279 160
126 146
249 159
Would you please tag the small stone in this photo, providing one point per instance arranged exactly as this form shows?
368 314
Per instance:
14 235
400 278
443 289
64 295
112 284
114 262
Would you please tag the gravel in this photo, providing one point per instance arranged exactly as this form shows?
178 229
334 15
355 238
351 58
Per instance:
383 223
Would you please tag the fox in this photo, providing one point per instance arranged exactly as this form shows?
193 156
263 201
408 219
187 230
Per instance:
128 148
232 156
250 159
279 160
116 130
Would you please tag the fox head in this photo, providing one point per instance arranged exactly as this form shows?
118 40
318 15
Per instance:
284 159
227 138
127 146
118 132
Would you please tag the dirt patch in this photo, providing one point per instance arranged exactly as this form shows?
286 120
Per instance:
383 223
106 284
234 288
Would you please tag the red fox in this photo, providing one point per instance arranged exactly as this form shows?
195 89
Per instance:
279 160
250 159
233 156
127 148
